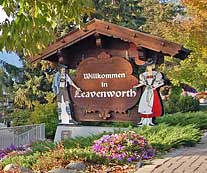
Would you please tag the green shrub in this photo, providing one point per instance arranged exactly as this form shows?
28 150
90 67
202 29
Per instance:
46 113
25 161
19 117
163 137
188 104
198 119
43 113
51 159
60 157
28 160
42 146
81 142
178 103
203 107
84 154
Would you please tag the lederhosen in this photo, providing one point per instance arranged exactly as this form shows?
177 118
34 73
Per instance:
63 92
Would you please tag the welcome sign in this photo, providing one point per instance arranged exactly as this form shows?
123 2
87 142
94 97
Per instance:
107 84
105 94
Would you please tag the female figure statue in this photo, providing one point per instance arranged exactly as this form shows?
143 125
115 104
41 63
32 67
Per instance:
150 103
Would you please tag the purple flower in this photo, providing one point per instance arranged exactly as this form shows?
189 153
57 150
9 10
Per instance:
18 150
127 146
12 147
129 159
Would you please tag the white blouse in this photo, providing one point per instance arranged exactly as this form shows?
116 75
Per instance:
147 98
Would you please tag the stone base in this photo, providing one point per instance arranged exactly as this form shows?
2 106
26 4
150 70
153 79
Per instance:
71 131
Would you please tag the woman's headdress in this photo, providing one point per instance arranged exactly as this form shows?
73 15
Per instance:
149 62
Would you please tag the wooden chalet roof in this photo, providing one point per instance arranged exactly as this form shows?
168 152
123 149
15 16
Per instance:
112 30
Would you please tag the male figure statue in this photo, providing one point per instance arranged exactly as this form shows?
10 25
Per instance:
59 87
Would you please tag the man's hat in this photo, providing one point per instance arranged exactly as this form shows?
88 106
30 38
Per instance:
62 66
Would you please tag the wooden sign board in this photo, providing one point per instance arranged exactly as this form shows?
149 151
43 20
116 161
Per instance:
107 85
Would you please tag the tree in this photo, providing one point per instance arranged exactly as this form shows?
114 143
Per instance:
32 26
151 16
35 86
45 113
143 15
33 99
35 23
159 15
8 74
126 13
191 31
133 15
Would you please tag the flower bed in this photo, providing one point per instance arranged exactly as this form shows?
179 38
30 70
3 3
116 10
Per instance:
47 155
127 146
14 150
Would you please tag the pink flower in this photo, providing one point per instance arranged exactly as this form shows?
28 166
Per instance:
126 146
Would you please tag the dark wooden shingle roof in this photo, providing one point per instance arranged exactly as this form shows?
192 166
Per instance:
105 28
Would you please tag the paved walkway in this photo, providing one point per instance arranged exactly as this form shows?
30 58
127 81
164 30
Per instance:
185 160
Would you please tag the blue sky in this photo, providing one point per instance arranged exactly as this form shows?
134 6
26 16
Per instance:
10 58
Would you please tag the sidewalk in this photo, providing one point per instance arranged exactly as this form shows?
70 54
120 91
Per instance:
184 160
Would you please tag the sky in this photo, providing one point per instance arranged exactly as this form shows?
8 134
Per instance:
10 58
2 15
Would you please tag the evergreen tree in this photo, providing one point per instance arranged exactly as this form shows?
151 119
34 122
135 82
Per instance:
8 74
128 13
35 86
